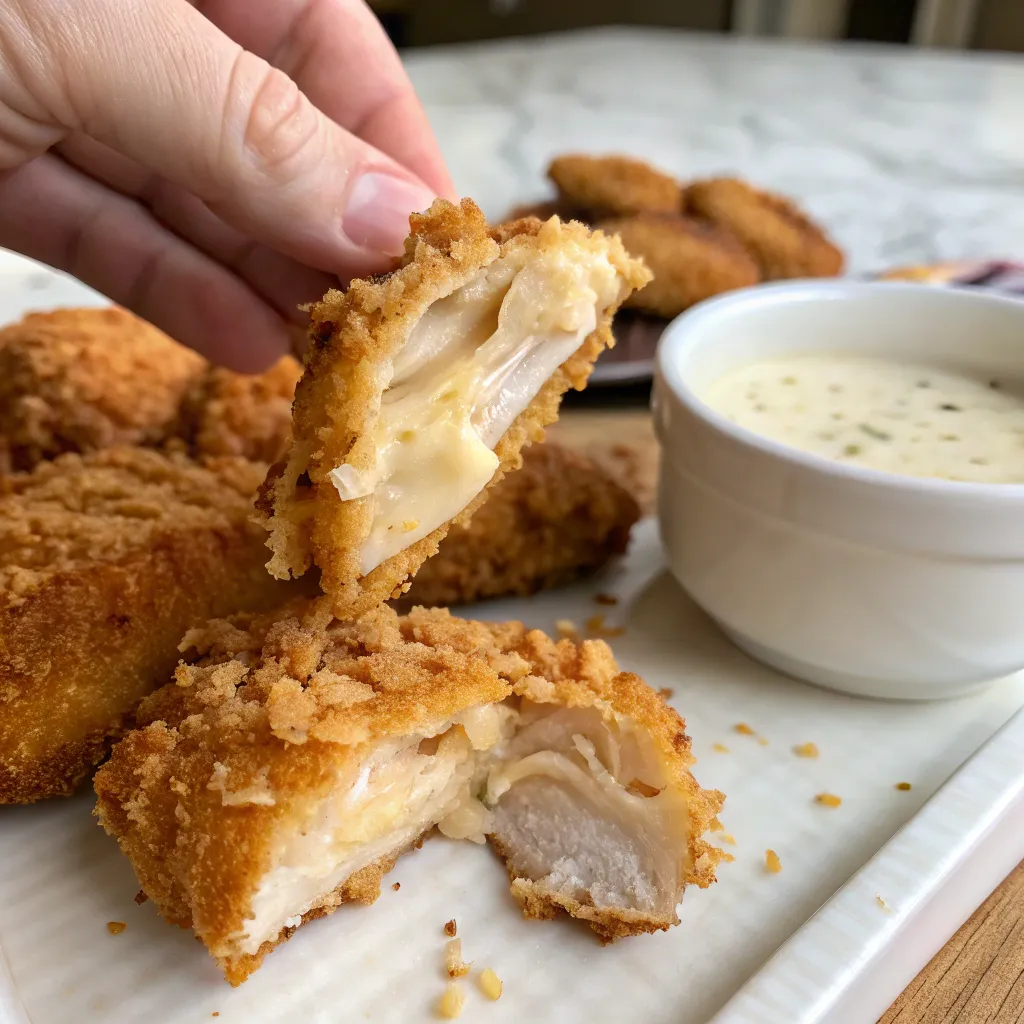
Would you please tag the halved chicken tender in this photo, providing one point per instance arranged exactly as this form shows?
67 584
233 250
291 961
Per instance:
421 388
297 756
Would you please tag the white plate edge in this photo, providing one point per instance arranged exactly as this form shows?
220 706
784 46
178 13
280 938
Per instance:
811 978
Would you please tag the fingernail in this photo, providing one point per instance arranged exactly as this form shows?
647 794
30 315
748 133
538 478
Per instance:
377 214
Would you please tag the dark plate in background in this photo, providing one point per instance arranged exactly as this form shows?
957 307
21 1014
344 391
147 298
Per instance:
632 359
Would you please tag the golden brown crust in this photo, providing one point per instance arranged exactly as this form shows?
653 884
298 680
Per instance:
353 337
556 519
783 240
691 260
105 560
77 380
614 186
228 413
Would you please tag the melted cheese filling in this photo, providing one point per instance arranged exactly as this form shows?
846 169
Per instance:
396 794
472 363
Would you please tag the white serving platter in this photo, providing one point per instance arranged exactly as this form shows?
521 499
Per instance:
812 943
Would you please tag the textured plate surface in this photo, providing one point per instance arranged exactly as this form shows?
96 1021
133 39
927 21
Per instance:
62 879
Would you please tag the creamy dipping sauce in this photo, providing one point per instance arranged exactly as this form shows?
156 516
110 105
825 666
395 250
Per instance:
883 414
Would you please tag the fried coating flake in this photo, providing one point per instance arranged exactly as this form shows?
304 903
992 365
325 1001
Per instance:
421 388
105 560
783 240
228 413
557 519
613 186
691 260
78 380
296 756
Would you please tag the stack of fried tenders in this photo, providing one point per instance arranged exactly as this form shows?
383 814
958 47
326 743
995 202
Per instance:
306 742
698 239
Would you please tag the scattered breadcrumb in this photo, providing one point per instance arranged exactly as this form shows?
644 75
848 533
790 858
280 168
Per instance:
885 906
397 886
828 799
762 740
140 897
490 984
452 1001
772 862
451 928
665 692
743 729
903 787
727 837
716 825
116 927
453 962
720 748
596 627
606 599
726 856
806 750
566 629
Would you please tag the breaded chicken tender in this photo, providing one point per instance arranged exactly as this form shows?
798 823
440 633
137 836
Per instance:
297 756
784 241
228 413
105 561
78 380
691 260
421 387
556 519
613 186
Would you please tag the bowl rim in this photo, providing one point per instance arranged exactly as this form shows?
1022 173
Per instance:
679 335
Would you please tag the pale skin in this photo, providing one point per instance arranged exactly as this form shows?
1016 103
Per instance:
210 164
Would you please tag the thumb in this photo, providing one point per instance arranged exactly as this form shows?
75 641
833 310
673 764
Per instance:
156 81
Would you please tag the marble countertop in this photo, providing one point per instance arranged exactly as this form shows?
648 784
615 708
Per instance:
906 155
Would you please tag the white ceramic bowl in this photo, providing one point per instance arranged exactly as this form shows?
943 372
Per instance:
867 582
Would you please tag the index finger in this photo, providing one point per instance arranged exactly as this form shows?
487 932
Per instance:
337 52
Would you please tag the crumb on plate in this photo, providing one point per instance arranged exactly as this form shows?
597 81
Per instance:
743 729
605 599
828 799
720 748
451 928
903 787
452 1001
724 855
116 927
397 886
490 984
806 750
453 962
881 902
728 837
772 862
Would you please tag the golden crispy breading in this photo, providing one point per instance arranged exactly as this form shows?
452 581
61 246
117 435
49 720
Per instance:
784 241
556 519
455 272
691 260
614 186
105 560
228 413
77 380
279 723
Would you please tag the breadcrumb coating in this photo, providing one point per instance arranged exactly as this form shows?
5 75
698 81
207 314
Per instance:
228 413
105 560
268 712
354 338
558 518
78 380
783 240
691 260
614 186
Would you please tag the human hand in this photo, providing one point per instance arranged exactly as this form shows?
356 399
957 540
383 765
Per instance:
209 164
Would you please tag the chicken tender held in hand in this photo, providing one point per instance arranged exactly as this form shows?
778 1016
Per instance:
420 389
228 413
556 519
784 242
105 560
613 186
78 380
297 756
691 260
